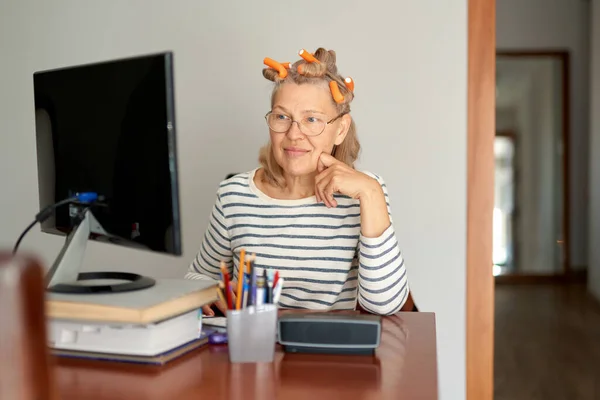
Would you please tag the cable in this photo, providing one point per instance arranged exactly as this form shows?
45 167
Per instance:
85 197
31 225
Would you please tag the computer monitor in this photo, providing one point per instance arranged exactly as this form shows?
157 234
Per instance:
109 128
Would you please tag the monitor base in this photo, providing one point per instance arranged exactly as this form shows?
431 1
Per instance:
64 275
134 282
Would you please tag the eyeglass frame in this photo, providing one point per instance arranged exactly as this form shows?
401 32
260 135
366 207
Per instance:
300 126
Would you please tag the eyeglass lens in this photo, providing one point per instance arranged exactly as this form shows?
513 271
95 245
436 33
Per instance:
308 125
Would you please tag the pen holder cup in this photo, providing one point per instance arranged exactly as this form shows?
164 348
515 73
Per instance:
251 333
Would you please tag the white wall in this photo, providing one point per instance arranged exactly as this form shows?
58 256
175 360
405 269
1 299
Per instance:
409 62
559 24
594 154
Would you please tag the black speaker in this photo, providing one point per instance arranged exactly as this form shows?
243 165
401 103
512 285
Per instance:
329 332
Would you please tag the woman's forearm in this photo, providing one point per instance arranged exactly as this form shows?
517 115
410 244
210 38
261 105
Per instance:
382 281
374 216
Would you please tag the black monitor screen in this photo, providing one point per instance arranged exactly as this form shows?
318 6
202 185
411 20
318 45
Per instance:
109 128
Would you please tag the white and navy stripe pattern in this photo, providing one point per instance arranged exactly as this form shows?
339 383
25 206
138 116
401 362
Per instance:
326 262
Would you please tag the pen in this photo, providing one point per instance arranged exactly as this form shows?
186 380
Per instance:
270 287
245 295
252 286
265 288
276 278
244 289
260 291
277 290
229 294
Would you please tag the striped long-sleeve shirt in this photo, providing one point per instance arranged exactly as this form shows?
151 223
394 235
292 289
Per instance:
326 262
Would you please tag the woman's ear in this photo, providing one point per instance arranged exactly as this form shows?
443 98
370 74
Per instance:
343 128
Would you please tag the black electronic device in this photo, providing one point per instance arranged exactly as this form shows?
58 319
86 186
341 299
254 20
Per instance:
329 332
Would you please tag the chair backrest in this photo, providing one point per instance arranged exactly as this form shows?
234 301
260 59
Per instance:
24 358
409 305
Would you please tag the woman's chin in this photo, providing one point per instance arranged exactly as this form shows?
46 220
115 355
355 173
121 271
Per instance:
295 168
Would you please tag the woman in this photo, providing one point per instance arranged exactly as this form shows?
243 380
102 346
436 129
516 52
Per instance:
306 211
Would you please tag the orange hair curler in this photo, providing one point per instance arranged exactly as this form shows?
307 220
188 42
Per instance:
335 91
276 66
286 65
349 84
307 56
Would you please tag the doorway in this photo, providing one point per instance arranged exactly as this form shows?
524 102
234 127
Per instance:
531 224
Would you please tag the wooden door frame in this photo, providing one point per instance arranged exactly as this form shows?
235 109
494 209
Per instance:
481 129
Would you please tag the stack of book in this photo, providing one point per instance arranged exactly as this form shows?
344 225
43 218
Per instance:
153 325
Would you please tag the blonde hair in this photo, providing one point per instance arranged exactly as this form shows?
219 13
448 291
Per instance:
316 74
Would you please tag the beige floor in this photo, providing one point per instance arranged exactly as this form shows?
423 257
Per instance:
547 343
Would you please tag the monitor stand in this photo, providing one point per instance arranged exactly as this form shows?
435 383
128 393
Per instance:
64 275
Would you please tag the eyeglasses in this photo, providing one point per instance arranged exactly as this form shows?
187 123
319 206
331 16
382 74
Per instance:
310 126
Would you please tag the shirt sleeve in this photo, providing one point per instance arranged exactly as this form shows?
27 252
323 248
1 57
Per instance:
215 247
382 281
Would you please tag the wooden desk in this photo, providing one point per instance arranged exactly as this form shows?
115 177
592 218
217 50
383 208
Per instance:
404 367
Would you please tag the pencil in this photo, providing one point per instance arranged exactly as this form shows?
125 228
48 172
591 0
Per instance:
250 266
220 292
224 269
240 282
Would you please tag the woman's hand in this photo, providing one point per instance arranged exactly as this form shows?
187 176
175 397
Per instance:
206 310
336 177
